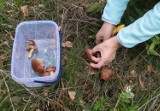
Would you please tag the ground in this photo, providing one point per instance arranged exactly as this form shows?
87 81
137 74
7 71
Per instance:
79 21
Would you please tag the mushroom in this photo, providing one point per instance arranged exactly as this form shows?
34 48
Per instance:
38 66
88 54
51 69
106 73
45 74
31 47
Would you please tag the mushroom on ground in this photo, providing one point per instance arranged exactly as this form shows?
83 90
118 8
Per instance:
51 69
38 66
106 73
31 47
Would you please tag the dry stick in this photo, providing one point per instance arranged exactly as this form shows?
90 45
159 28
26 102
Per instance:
27 104
152 106
158 108
148 102
78 20
34 95
9 94
77 29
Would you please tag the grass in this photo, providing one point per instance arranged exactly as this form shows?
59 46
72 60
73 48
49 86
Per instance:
79 26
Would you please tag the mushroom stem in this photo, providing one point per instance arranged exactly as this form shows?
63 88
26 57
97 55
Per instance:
51 72
30 53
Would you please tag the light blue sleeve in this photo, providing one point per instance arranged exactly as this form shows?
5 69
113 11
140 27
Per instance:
114 10
142 29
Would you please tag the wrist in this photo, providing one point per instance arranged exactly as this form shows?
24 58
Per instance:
116 42
108 25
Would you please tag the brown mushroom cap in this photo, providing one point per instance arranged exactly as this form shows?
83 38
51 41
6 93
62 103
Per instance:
106 73
51 68
37 66
29 47
30 42
88 54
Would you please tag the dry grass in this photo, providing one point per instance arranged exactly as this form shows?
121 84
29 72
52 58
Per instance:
78 26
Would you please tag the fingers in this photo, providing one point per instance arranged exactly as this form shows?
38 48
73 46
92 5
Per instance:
103 61
98 65
95 59
98 39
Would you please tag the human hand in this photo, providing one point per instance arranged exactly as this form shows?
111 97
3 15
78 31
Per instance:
107 51
105 32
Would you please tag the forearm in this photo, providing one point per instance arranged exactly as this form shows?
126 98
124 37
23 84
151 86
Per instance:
142 29
114 10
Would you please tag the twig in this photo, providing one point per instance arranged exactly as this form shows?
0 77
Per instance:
148 102
27 104
78 20
9 94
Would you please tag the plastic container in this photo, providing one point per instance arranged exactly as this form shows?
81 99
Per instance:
47 39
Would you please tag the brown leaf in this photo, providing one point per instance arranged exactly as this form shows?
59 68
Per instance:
11 36
149 68
45 93
59 28
72 94
84 5
2 57
24 9
41 5
133 72
64 59
141 83
38 110
67 44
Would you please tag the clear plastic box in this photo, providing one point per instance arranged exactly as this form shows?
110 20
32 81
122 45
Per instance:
47 39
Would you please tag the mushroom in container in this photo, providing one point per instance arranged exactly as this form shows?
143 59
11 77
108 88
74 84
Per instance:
31 47
49 71
38 66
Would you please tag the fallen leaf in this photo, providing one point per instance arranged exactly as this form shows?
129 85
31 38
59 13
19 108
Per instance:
24 9
61 16
67 44
84 5
59 28
38 110
133 72
45 93
11 36
149 68
64 59
2 57
41 5
141 83
72 94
